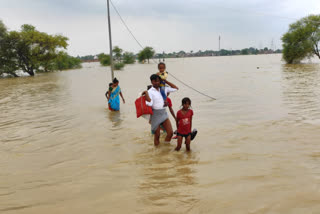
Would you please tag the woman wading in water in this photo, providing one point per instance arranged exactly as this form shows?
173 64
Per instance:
113 98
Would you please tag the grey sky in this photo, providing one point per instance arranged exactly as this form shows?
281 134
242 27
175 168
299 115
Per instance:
166 25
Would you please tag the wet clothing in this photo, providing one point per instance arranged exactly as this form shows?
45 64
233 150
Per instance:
184 122
114 99
157 101
158 117
183 135
159 112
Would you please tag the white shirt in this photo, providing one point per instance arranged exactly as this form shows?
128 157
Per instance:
156 97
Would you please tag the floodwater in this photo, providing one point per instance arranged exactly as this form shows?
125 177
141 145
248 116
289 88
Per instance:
257 148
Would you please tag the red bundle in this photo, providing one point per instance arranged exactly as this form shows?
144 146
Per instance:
142 107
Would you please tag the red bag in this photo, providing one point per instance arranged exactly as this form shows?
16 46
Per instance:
142 107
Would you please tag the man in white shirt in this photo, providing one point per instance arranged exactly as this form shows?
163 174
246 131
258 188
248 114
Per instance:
160 116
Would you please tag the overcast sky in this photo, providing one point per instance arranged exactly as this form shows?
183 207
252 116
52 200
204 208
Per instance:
166 25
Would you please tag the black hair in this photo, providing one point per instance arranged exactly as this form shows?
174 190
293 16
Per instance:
115 81
161 63
110 84
149 86
154 77
186 100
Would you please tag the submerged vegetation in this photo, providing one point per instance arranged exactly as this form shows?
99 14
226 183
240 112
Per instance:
120 59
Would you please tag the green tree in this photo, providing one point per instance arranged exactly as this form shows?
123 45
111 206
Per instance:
128 58
117 53
3 30
302 39
63 61
245 51
34 50
224 52
142 56
146 53
104 59
88 57
8 63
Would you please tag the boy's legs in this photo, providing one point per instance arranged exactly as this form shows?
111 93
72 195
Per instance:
163 93
179 142
167 126
164 96
188 140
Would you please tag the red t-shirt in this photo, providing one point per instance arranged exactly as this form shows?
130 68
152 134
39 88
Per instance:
184 122
169 102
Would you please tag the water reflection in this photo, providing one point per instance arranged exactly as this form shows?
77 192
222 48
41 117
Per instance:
115 118
168 178
301 91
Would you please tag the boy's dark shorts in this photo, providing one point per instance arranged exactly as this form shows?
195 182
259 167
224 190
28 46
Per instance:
184 135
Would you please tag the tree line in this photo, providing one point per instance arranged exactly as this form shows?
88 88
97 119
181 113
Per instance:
222 52
32 51
121 58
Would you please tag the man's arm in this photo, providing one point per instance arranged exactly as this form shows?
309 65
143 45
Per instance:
146 94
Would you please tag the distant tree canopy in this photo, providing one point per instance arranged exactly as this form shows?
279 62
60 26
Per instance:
87 57
104 59
63 61
146 54
120 58
302 39
117 53
30 50
128 58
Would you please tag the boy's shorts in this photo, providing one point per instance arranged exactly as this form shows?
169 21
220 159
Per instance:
184 135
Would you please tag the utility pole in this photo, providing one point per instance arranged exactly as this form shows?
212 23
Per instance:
219 44
110 42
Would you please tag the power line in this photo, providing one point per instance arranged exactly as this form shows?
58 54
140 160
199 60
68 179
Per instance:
114 7
191 87
252 12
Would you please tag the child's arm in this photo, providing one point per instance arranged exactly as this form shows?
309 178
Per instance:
191 123
172 85
177 119
172 113
108 95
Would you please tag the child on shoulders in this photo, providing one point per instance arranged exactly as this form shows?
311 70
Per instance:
163 75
